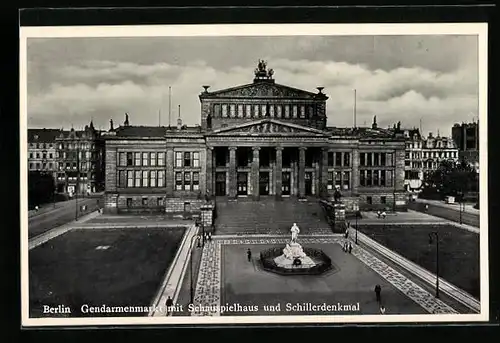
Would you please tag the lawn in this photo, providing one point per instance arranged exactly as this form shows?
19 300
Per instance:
458 250
70 270
353 282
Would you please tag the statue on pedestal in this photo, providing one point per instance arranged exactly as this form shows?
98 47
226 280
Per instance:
295 232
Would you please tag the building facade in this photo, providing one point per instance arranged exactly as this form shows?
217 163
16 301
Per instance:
80 161
466 137
42 154
257 140
424 155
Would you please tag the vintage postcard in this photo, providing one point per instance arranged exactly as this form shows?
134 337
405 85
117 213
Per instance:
222 174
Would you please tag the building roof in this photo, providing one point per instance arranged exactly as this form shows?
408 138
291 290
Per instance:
361 132
140 131
43 135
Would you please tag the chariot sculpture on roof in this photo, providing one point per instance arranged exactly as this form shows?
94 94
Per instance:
262 72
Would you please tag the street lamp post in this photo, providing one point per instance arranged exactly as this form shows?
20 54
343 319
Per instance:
356 222
77 180
436 235
191 265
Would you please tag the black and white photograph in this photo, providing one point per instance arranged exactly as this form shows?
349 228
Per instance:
278 173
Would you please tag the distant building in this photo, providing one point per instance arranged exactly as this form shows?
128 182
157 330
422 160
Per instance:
466 137
42 156
424 155
80 161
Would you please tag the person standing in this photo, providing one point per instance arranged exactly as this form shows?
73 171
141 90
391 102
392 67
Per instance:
378 290
169 303
350 247
382 309
249 255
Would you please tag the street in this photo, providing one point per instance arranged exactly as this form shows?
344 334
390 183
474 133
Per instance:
446 213
43 222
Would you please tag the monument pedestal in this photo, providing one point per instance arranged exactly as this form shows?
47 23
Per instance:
292 254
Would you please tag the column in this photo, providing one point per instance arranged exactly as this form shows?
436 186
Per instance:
324 172
279 172
255 173
169 172
302 171
209 172
232 172
355 171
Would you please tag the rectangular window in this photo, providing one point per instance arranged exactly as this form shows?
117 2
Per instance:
338 159
217 110
161 158
178 159
137 178
129 202
130 157
145 178
338 179
130 178
278 111
375 177
330 180
145 158
369 200
302 111
187 181
287 111
240 111
152 178
362 159
187 159
362 179
152 159
383 179
376 158
31 165
161 178
224 111
346 180
122 178
256 111
310 110
248 109
382 159
369 178
144 201
160 202
196 159
330 159
137 158
347 159
295 111
178 181
369 160
196 181
232 110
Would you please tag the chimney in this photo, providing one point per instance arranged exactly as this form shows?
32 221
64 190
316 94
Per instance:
111 125
179 120
374 125
126 123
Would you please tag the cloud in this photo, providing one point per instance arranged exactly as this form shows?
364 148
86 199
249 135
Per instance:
104 89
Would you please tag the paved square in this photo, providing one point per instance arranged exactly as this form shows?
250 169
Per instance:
226 277
70 271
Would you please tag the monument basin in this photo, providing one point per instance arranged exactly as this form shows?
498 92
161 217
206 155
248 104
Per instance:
295 260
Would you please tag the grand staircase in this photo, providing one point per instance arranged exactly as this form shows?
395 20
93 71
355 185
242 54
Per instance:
268 216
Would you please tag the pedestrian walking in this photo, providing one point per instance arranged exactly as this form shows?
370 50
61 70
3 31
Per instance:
249 255
383 215
346 246
350 247
426 207
169 303
36 208
209 236
378 214
346 234
378 290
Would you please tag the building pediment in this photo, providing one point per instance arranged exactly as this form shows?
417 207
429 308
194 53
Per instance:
263 90
268 127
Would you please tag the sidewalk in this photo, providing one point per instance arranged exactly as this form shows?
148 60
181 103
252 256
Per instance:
45 208
469 208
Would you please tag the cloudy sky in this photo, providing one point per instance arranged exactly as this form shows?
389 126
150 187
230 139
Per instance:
397 78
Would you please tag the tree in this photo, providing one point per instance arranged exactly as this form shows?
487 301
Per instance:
451 178
41 188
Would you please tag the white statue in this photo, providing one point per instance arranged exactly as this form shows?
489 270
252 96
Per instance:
295 232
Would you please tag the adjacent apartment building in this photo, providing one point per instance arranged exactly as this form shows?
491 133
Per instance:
256 140
42 152
424 154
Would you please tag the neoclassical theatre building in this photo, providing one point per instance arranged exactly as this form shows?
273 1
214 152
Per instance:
258 140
